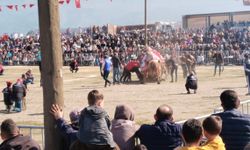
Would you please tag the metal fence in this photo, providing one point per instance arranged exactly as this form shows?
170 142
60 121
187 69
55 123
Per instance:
37 132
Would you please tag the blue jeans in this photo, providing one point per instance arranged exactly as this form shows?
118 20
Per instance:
18 105
116 75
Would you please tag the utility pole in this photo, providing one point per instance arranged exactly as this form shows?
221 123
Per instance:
145 21
52 80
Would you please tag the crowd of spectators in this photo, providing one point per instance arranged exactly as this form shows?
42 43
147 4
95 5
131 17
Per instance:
89 45
92 129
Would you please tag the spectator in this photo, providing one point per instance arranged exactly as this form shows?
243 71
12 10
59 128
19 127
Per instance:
13 140
1 69
124 127
68 131
140 147
191 83
192 134
94 131
19 92
212 127
164 134
235 125
218 62
7 96
29 77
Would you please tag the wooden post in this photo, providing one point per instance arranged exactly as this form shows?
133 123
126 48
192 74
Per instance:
145 22
52 80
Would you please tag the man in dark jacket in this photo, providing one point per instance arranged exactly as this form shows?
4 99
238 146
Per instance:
191 83
19 92
218 62
13 140
116 68
164 134
235 125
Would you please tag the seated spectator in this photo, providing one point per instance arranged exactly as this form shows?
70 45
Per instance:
13 140
192 135
191 83
94 131
73 66
1 69
164 134
7 96
124 127
140 147
29 77
68 131
212 127
235 125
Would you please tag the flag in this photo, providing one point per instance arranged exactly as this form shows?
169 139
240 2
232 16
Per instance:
24 6
10 6
61 2
246 2
77 3
31 5
16 7
67 1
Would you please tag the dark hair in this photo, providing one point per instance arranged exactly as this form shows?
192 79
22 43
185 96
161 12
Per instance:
9 127
164 112
229 99
212 125
192 130
140 147
94 96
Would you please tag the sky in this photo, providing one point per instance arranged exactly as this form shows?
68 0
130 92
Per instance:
118 12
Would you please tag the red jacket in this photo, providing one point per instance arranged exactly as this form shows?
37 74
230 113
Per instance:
132 64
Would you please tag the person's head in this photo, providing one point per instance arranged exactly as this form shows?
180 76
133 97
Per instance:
124 112
229 100
192 131
8 83
74 116
95 98
164 112
8 129
140 147
212 126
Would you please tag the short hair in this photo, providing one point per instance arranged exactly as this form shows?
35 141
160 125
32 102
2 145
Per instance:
229 99
94 96
164 112
192 130
140 147
9 128
212 125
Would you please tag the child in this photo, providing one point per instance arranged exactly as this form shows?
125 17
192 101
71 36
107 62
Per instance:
212 127
94 131
192 134
7 94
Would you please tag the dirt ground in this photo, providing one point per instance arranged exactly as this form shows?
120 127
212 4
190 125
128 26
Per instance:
143 98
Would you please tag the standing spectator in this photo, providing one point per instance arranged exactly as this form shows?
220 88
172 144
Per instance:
247 72
19 92
164 134
191 83
235 125
73 66
94 131
106 67
13 140
116 68
212 127
124 127
7 96
218 62
192 135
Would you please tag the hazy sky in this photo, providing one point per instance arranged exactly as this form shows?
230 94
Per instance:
120 12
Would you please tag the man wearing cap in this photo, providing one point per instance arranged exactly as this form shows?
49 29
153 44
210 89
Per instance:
7 94
19 92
